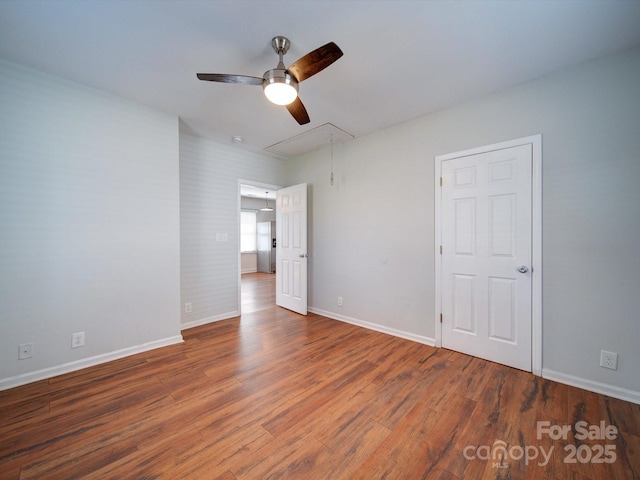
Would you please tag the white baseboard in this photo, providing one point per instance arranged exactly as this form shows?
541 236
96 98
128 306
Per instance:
204 321
374 326
249 270
597 387
49 372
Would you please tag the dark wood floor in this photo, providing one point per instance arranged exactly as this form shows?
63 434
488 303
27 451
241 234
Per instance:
277 395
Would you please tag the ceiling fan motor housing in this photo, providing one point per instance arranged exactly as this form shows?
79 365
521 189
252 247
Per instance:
279 75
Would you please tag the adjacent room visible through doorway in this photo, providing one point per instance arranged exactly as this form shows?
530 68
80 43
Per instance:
256 203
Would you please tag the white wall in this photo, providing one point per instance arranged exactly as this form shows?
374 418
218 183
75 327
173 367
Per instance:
372 234
89 225
248 262
209 205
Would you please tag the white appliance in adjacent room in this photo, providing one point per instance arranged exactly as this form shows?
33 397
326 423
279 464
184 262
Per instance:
266 247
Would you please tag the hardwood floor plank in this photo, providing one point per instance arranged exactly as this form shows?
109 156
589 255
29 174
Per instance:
24 393
388 460
406 356
225 476
23 413
11 469
245 409
342 417
287 456
552 400
439 474
77 462
624 415
154 461
437 443
481 429
218 451
305 406
67 430
352 449
395 397
445 386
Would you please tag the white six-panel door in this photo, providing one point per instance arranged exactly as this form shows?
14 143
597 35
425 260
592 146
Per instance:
486 259
291 248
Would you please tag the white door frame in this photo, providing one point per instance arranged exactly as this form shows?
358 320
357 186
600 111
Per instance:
536 245
265 186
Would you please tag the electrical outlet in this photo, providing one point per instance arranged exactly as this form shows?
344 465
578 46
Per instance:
77 340
339 301
25 350
608 360
188 308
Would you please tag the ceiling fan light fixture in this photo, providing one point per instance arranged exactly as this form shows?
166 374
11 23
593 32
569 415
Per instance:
280 87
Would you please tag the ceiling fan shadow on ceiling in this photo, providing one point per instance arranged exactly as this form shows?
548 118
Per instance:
280 84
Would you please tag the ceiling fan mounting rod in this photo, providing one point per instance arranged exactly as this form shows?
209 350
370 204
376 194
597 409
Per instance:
281 45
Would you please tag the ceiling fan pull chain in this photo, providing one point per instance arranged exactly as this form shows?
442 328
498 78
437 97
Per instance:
331 178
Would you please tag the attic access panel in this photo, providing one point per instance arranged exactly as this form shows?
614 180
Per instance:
310 140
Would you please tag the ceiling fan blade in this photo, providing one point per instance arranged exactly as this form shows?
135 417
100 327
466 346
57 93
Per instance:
297 110
225 78
315 61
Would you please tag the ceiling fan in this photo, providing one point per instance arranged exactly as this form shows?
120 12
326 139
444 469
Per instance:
280 84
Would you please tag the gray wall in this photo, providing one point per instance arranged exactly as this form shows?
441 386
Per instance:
372 234
89 225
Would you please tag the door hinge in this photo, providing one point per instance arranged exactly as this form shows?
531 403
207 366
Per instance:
440 181
440 318
440 249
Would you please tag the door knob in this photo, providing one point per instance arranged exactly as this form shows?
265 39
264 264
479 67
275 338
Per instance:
303 255
522 269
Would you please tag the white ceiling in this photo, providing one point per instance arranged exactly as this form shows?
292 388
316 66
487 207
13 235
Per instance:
257 192
402 59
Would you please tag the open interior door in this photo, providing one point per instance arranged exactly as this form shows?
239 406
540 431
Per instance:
291 248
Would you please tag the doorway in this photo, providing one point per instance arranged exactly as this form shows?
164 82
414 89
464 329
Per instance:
253 197
488 252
